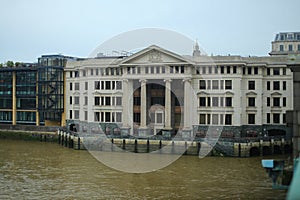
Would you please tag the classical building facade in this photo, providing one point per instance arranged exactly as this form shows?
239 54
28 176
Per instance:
156 91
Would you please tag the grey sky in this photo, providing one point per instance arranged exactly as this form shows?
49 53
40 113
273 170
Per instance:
34 27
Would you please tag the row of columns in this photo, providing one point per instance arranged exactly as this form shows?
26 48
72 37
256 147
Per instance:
127 87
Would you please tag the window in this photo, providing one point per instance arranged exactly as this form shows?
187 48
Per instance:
281 48
136 101
283 71
215 119
268 118
85 115
203 70
76 74
208 84
228 69
76 86
251 101
276 71
210 69
284 85
276 85
70 113
107 101
86 86
202 119
222 84
118 101
222 69
234 69
284 118
97 101
276 118
216 69
268 71
298 47
182 69
228 101
228 119
268 85
119 85
244 70
251 85
71 101
76 114
137 117
276 101
284 101
249 70
76 100
71 74
268 101
83 73
159 118
255 70
92 72
290 47
208 118
163 69
118 117
215 84
97 117
251 118
157 69
97 85
202 85
107 85
71 86
228 85
107 116
208 101
221 101
85 100
215 101
202 101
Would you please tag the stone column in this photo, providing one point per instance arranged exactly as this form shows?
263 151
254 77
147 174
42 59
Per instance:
168 104
125 108
14 99
187 128
143 104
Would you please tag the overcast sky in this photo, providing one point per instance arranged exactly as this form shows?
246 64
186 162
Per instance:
31 28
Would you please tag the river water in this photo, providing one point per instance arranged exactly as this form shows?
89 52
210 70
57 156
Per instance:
37 170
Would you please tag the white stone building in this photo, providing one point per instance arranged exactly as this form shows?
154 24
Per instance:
157 91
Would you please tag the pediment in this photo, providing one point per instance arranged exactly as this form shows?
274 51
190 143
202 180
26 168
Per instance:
251 94
276 94
154 55
202 93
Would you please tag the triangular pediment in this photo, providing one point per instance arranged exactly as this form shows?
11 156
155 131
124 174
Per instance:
251 93
276 94
154 55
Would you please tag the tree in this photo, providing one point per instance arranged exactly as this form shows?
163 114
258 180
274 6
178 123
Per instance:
1 65
9 63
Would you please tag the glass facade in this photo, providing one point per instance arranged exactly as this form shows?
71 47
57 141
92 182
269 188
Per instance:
6 90
26 89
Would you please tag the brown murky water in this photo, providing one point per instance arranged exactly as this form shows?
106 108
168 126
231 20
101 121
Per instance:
36 170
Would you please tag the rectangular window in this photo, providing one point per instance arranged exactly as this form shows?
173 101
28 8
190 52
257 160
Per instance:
107 85
76 86
284 85
284 101
208 84
215 101
268 118
202 101
119 85
298 47
102 85
234 70
249 70
251 118
215 84
97 101
276 71
208 101
71 86
228 69
228 85
210 70
92 72
221 101
228 101
97 72
283 71
86 85
159 118
203 70
76 74
202 119
251 85
71 114
276 101
290 47
137 117
202 85
268 101
216 69
221 84
107 116
157 69
85 115
76 100
222 69
284 118
76 114
276 118
215 119
146 70
268 71
71 74
97 85
268 85
85 100
83 73
251 101
97 117
163 69
208 118
276 85
281 48
107 101
244 70
228 119
71 100
118 101
255 70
